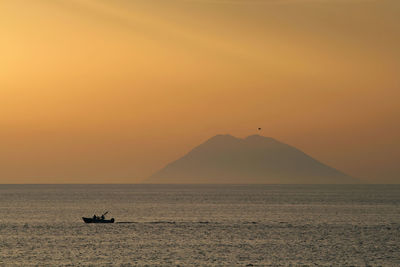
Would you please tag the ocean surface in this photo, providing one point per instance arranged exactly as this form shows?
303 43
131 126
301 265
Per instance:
204 225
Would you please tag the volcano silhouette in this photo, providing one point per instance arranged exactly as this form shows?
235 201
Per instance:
224 159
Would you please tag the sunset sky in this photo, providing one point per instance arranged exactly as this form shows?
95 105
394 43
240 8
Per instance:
109 91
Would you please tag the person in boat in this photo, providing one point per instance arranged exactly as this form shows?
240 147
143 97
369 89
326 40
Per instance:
102 217
94 217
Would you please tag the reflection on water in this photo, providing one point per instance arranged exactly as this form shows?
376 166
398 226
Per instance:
201 225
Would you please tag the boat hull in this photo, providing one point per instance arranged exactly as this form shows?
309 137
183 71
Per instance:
91 220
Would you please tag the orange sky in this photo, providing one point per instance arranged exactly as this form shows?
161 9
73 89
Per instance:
100 91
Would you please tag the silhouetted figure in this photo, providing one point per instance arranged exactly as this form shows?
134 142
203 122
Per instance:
98 219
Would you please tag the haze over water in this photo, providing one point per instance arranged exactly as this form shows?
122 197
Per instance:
129 92
209 225
97 91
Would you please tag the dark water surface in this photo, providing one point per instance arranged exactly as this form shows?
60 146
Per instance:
201 225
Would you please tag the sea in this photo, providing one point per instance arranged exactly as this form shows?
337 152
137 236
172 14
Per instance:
200 225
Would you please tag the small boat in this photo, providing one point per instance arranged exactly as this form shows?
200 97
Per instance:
98 219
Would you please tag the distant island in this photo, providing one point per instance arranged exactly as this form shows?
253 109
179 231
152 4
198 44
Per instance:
225 159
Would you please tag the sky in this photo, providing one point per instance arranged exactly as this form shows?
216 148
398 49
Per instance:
101 91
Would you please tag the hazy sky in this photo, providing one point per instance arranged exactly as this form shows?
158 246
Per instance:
110 91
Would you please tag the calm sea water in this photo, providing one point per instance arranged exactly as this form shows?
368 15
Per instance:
201 225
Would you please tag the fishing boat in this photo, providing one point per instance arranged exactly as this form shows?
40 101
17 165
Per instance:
98 219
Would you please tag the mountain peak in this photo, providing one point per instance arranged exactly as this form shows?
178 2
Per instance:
228 137
223 137
257 137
